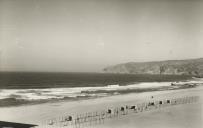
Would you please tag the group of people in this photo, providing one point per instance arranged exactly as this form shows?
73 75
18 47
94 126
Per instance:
123 110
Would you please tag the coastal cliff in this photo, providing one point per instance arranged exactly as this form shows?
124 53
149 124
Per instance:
192 67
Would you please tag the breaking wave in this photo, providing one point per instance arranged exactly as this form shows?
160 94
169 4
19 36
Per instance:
83 92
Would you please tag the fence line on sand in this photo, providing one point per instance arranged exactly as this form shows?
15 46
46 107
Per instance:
98 117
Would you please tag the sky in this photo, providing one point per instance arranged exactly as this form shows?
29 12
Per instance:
88 35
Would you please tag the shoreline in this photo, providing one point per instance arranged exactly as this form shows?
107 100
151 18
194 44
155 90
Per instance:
88 93
37 114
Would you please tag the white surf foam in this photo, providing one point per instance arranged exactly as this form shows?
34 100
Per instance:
60 93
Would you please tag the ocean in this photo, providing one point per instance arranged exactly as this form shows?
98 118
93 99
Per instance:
20 88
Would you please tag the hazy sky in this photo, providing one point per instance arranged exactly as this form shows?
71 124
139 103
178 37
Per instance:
87 35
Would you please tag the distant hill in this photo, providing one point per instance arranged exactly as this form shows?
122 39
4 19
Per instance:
192 67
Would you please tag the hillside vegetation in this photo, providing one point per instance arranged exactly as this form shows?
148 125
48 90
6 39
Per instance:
171 67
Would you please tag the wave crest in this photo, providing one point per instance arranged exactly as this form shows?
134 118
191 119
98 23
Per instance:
83 92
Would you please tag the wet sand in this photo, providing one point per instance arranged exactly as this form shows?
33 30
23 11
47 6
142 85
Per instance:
179 116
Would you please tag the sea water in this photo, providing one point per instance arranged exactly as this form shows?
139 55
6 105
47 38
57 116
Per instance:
17 88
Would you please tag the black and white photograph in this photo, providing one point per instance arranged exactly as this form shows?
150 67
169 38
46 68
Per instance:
101 63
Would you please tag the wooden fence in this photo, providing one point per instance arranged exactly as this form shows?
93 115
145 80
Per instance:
89 119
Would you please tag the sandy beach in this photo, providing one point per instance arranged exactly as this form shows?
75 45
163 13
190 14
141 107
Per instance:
178 116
